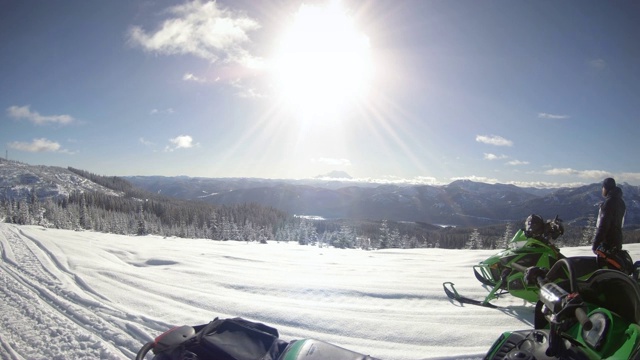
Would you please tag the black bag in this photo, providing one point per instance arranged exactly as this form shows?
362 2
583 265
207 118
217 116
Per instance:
238 339
225 339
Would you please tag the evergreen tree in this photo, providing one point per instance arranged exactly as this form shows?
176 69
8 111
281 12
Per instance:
84 219
395 239
214 226
384 235
346 238
24 217
475 241
142 226
589 231
3 210
506 237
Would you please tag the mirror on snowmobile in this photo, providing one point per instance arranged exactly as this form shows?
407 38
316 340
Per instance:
556 229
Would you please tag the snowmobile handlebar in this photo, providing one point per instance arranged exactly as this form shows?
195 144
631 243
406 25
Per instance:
144 350
555 297
583 318
519 267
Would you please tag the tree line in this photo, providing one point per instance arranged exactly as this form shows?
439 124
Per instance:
139 212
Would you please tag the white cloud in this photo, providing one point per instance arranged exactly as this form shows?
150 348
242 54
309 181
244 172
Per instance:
430 180
249 93
517 162
165 111
587 174
489 156
180 142
332 161
552 116
635 177
201 28
192 77
544 184
418 180
37 146
598 64
592 176
145 142
494 140
24 112
396 180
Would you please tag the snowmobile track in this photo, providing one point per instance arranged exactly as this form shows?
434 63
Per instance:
32 286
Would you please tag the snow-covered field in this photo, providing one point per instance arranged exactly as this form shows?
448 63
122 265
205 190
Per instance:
75 295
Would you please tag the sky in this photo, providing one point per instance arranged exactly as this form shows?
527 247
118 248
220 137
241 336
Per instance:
80 294
536 93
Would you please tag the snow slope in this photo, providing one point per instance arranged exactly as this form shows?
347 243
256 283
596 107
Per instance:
75 295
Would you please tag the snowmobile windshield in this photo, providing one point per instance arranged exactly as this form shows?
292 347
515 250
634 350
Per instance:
518 241
613 290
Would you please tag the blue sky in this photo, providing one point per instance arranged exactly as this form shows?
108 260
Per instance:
542 93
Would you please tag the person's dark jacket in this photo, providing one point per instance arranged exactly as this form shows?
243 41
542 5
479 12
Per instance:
610 221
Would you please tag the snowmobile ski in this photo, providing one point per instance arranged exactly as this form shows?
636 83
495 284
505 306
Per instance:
452 294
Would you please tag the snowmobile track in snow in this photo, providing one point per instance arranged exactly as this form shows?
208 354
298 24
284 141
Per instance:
35 297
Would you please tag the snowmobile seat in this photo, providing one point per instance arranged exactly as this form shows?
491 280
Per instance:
584 265
310 349
613 290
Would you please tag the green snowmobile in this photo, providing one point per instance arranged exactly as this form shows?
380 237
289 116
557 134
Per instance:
530 246
594 318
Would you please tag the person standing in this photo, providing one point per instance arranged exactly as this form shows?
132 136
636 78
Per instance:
607 242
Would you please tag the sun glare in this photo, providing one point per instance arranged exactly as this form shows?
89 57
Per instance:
322 62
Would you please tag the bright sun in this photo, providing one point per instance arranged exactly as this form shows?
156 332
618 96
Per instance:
323 62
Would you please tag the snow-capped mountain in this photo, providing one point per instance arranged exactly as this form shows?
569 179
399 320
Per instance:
18 180
336 174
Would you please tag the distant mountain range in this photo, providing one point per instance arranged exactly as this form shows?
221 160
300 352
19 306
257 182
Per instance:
460 203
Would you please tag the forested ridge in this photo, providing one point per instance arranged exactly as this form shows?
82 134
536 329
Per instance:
136 211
